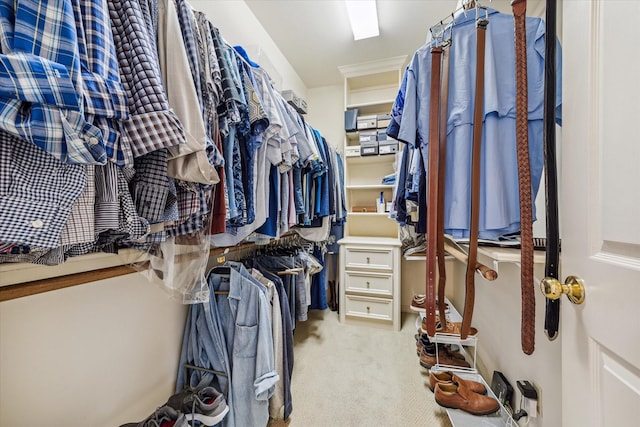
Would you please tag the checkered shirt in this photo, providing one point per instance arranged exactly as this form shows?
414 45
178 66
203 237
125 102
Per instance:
210 85
152 125
188 26
79 228
105 98
34 214
150 185
41 95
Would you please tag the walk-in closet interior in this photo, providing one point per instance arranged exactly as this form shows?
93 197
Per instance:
244 213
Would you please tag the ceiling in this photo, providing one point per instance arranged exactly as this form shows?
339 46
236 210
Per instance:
316 38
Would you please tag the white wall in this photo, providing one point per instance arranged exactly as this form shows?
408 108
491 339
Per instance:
98 354
239 26
326 113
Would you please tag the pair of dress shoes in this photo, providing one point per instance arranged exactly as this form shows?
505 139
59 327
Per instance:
445 356
451 391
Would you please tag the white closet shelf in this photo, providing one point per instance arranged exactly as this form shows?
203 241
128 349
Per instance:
369 187
370 104
371 214
509 254
370 159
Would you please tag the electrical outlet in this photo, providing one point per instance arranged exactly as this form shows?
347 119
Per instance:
529 401
531 406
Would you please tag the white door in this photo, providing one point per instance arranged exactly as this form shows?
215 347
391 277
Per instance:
601 212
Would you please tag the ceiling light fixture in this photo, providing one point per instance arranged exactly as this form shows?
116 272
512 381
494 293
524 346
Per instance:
363 16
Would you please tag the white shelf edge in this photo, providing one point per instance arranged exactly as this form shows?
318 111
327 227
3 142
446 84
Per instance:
369 186
369 104
371 214
380 158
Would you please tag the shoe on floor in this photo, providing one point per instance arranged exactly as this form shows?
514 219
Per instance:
162 417
206 405
450 377
458 396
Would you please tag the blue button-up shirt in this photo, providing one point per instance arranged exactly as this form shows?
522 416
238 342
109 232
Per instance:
499 204
41 96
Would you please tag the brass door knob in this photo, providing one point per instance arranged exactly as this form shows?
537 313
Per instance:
573 289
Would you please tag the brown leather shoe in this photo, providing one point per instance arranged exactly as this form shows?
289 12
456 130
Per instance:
458 396
450 377
428 358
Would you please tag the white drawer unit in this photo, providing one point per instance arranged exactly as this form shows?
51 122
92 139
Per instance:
370 281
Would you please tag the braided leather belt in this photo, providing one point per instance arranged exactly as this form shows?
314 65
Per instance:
524 179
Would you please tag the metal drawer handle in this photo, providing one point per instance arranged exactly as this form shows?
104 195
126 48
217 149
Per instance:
368 284
368 309
368 260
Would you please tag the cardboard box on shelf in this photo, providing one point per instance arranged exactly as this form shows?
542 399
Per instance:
368 148
367 122
389 146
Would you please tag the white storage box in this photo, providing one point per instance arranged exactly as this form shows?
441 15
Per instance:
367 122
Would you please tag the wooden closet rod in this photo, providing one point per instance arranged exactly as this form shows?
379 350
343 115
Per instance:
20 290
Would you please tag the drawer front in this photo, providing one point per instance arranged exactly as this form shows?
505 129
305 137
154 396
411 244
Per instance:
370 308
369 258
372 283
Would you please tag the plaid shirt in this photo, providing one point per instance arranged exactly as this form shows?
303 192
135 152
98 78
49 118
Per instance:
210 85
34 214
152 124
105 101
41 94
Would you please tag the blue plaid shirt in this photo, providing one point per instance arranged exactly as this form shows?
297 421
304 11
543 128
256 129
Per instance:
41 96
106 100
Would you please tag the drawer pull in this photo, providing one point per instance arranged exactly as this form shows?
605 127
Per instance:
368 260
368 285
368 309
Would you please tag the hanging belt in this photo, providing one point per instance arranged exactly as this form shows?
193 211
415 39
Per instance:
432 189
552 260
481 26
442 169
524 179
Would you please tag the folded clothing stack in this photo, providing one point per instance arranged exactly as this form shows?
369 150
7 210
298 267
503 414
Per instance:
389 179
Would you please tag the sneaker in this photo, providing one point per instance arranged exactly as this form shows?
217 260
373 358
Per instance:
206 405
162 417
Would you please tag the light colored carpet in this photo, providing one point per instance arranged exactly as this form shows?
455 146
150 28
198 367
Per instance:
356 376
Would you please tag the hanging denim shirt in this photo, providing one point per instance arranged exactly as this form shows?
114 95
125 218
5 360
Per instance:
246 327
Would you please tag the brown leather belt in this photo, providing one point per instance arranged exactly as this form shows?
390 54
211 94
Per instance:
524 179
442 169
481 26
432 189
